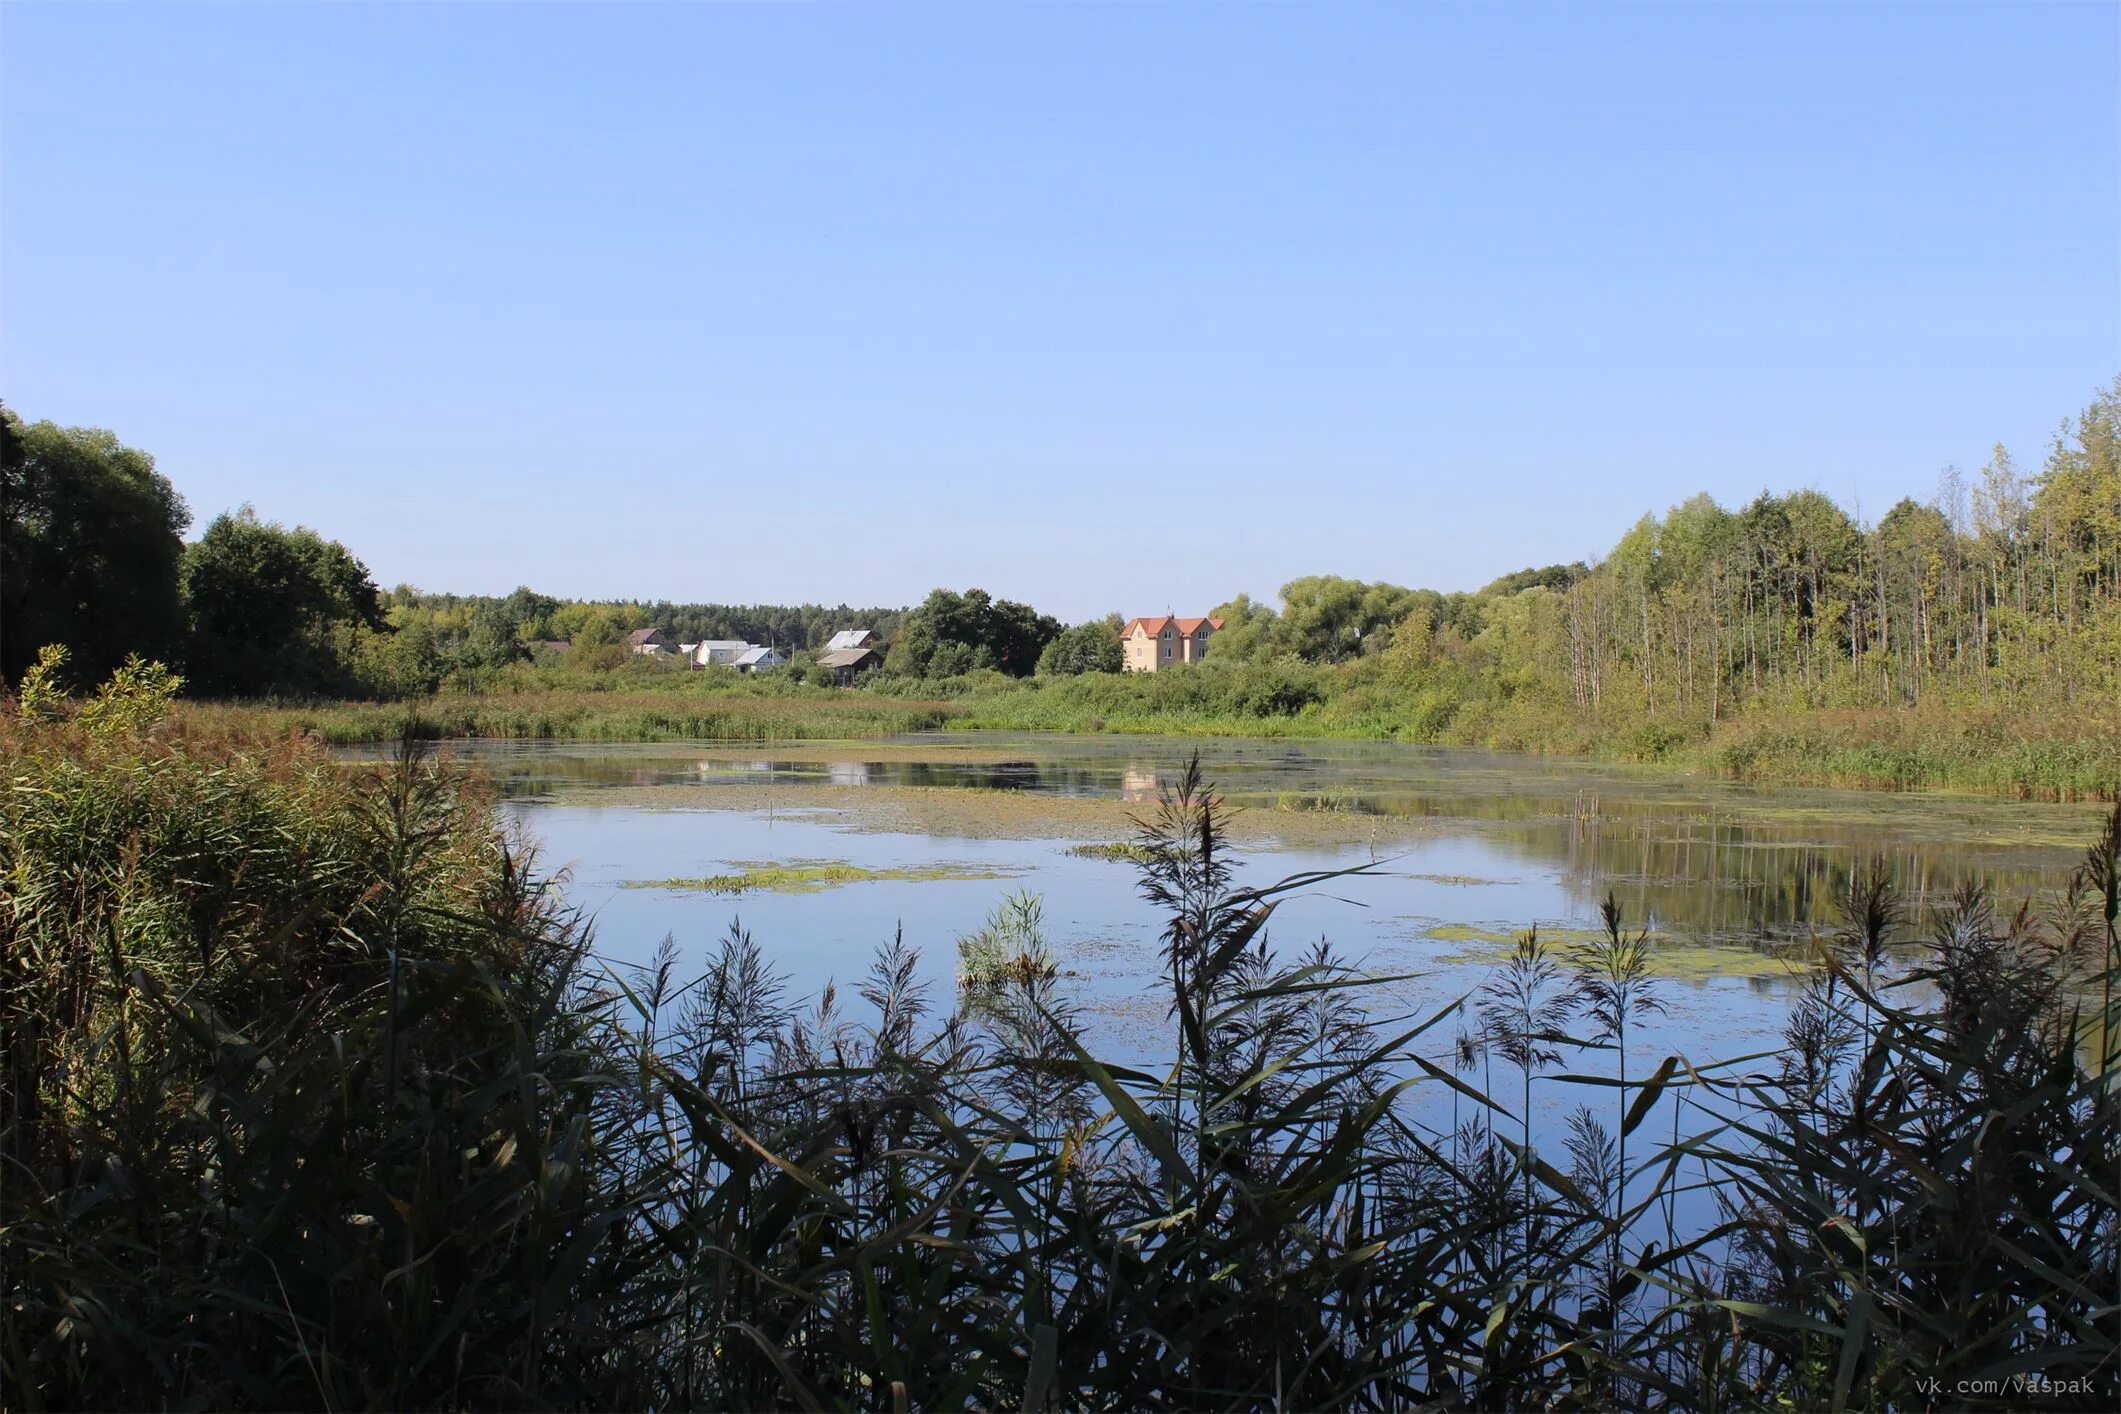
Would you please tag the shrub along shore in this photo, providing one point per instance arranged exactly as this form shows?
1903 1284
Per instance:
2072 756
316 1096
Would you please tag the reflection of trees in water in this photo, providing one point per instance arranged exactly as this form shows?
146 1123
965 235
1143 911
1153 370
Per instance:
961 775
1712 877
1693 871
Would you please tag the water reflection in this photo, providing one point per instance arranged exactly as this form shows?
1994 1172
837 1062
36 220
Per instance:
1732 880
1694 857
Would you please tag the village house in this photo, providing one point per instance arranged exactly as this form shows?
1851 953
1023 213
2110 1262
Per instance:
1152 644
754 658
709 651
845 663
848 638
651 642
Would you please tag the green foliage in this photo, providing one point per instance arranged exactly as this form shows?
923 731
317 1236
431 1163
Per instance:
951 634
41 696
1247 632
276 611
1011 945
89 548
1325 619
1087 648
137 697
1555 577
271 1030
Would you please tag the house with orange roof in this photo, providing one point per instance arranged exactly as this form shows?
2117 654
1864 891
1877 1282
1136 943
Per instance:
1153 644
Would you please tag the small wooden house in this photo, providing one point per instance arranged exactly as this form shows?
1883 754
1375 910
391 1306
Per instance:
846 663
651 642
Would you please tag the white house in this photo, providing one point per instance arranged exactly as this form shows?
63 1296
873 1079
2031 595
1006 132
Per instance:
753 659
709 651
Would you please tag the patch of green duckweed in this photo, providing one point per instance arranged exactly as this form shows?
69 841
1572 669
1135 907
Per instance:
805 876
1668 958
1458 880
1501 937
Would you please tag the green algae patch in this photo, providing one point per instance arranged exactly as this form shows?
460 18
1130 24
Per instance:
1670 958
979 812
1458 881
807 876
1119 852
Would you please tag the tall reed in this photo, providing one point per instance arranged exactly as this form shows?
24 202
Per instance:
318 1097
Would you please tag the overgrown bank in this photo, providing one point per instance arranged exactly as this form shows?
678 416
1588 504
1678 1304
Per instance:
735 714
2074 755
316 1097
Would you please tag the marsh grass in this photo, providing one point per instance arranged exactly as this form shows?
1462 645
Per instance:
317 1098
1010 947
2072 754
1118 851
733 713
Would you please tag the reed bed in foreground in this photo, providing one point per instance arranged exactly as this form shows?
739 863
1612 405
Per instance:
316 1097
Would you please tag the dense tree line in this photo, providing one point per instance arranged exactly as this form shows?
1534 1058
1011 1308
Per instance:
2003 590
90 546
92 559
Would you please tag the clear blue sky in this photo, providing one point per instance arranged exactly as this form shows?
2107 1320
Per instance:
1099 307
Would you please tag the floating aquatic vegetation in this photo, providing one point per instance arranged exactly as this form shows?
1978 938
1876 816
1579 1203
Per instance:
1118 851
810 875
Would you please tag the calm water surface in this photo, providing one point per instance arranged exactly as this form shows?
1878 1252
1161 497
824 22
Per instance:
1468 846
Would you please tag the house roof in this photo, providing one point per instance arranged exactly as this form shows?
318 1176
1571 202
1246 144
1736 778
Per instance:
848 638
721 645
846 657
751 656
647 635
1155 626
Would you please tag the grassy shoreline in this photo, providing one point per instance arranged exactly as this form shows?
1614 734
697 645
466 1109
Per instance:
1985 750
818 715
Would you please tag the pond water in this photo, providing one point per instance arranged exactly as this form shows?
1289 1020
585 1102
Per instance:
1464 849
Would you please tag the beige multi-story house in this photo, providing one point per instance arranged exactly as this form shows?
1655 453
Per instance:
1159 642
